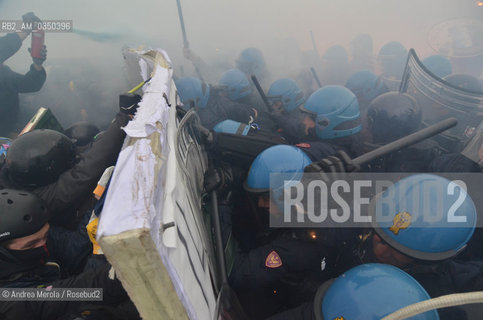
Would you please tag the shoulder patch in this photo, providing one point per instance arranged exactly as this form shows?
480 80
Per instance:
303 145
273 260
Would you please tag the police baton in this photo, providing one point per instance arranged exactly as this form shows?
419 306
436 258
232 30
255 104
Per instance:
181 21
185 38
314 74
260 91
411 139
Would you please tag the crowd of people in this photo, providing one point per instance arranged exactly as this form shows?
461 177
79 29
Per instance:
48 212
282 273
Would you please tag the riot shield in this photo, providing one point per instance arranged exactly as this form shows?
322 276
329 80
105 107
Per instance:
457 37
460 40
440 100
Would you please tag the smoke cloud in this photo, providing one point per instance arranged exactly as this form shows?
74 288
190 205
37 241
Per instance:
85 68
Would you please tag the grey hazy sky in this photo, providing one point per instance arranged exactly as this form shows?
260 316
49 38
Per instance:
230 25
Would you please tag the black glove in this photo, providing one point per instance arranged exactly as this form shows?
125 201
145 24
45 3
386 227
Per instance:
217 178
339 163
221 179
128 103
43 54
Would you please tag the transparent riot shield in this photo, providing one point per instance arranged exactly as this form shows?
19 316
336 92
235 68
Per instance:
392 84
457 37
440 100
460 40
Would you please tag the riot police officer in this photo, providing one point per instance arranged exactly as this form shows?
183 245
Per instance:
277 268
391 116
237 88
366 86
369 291
285 98
392 61
361 52
439 65
210 104
417 236
252 62
332 122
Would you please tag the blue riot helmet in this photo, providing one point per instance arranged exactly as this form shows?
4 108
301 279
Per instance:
193 92
366 86
336 53
336 112
361 52
392 58
370 292
424 216
233 127
286 91
251 62
393 48
361 43
236 84
465 82
391 116
285 159
440 66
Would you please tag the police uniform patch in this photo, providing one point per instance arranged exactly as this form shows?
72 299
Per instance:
402 220
469 131
273 260
303 145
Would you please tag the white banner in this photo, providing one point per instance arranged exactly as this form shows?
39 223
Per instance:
152 223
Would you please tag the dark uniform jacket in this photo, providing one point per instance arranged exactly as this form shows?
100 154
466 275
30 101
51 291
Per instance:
74 187
220 108
437 278
12 83
113 294
290 126
67 251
